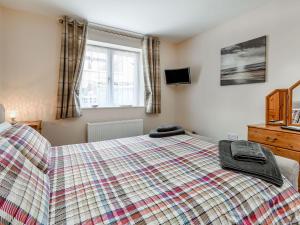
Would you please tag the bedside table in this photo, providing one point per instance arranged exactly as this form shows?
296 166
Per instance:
37 124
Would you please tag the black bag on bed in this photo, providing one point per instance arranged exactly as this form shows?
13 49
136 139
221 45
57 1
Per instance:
167 128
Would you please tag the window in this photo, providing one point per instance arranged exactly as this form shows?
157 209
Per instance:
111 76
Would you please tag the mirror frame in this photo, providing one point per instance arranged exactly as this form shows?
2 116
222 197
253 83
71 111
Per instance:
290 105
285 111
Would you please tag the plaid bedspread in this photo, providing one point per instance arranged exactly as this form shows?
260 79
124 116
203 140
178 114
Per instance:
174 180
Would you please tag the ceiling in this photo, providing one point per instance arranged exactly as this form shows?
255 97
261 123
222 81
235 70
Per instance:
172 19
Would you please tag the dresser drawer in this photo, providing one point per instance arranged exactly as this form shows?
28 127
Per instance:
284 152
274 138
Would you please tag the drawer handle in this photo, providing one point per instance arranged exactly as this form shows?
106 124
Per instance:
271 139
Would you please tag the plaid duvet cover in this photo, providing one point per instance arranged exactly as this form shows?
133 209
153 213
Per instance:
174 180
24 189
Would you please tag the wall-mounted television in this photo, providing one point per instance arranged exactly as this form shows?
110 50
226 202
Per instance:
178 76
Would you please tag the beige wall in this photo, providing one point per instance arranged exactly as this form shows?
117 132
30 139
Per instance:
30 59
31 47
74 130
213 110
1 50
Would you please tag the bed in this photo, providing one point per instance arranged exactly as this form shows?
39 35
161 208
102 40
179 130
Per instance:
137 180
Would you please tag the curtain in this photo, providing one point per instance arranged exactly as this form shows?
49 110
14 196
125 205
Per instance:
151 56
71 64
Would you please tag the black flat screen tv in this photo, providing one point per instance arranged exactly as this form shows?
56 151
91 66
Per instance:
178 76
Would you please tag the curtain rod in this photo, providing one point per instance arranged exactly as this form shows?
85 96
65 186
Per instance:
116 31
111 30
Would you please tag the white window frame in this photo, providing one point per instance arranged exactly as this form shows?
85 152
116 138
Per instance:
139 75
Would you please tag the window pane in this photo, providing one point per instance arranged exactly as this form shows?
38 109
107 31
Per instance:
125 77
111 77
94 85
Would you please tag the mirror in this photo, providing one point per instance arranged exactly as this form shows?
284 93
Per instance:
276 107
294 105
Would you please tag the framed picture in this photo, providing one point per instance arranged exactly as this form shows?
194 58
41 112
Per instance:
244 63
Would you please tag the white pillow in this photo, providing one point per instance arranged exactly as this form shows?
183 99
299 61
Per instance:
4 126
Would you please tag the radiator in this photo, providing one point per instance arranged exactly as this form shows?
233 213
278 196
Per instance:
114 129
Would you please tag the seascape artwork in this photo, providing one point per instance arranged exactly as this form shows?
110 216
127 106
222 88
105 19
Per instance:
244 63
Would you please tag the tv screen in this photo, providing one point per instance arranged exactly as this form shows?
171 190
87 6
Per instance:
178 76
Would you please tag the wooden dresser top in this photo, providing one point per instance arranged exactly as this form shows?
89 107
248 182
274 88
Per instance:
273 128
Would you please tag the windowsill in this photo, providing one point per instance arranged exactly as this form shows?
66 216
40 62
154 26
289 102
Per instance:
112 107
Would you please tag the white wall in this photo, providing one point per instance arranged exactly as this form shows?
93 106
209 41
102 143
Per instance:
213 110
31 46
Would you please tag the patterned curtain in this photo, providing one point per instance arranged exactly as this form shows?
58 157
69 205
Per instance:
152 75
71 65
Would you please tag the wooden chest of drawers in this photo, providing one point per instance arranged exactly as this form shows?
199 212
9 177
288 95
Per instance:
281 142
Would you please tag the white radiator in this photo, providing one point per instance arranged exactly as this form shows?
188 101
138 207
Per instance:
115 129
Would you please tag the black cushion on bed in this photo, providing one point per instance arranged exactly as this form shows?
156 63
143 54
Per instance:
156 134
166 128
